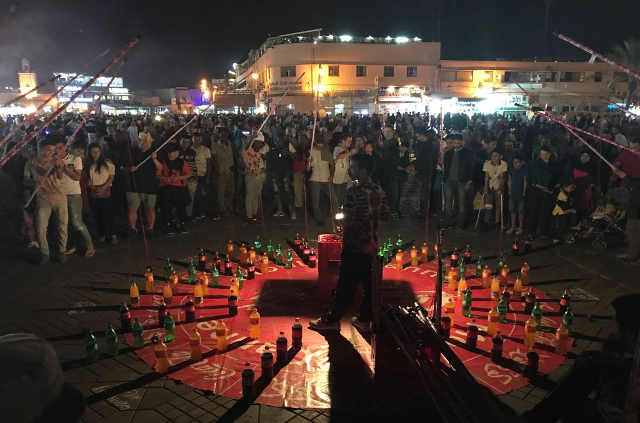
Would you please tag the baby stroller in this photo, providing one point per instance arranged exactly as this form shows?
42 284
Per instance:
604 228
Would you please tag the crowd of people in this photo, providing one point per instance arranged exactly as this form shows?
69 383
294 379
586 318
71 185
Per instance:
526 175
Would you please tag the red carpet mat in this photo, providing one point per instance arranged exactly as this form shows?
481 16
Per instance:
284 294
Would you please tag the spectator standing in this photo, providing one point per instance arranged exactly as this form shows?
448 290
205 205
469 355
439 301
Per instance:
101 173
174 195
458 174
341 155
70 181
628 170
255 174
494 176
321 162
45 171
223 163
280 170
143 186
188 154
390 168
540 201
203 172
299 171
517 184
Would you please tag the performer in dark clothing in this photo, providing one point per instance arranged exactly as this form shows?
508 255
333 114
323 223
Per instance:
540 201
365 203
458 175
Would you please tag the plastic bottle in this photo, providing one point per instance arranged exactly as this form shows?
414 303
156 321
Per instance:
462 267
450 310
501 263
413 253
564 301
191 270
169 328
479 267
264 264
149 280
537 314
91 347
269 251
243 253
562 339
215 277
232 303
496 349
505 271
125 318
462 286
472 335
289 264
495 288
167 293
198 295
524 273
248 376
230 247
515 247
297 240
281 348
313 258
173 278
454 258
502 310
189 311
530 329
160 351
467 253
254 324
278 255
567 317
399 257
506 295
134 293
195 343
257 244
486 276
202 260
111 341
452 282
424 252
493 317
138 334
162 313
168 267
266 361
466 303
296 333
399 241
251 270
221 336
517 286
228 266
530 300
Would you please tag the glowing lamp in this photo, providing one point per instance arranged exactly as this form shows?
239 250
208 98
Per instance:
414 255
346 38
255 76
505 271
402 40
399 260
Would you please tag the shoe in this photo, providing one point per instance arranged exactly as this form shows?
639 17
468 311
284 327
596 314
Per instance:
216 218
323 324
114 239
149 233
182 229
171 230
33 244
519 232
252 220
43 259
509 231
131 232
70 251
90 252
293 215
278 213
61 258
361 325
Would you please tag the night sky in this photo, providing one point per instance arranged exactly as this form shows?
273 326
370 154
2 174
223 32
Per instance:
183 41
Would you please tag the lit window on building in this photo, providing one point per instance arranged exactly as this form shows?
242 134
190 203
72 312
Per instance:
466 76
361 71
334 70
412 71
388 71
287 71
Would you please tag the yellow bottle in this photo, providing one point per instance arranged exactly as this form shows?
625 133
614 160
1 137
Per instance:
486 276
264 264
505 271
413 253
399 260
424 252
167 293
454 272
174 278
148 276
453 282
495 288
493 318
517 286
134 293
162 361
450 309
562 339
195 342
243 254
204 282
254 324
198 296
530 329
221 336
524 273
462 286
230 247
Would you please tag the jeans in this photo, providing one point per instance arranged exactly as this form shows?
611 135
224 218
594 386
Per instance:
316 188
74 202
392 189
355 268
540 205
173 197
103 213
298 189
225 188
282 192
339 191
455 198
253 185
44 210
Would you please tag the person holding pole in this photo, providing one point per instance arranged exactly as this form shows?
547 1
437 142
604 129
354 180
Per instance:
254 160
628 170
365 204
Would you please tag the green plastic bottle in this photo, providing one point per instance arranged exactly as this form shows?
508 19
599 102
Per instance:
466 303
138 334
278 255
257 243
169 328
503 308
399 241
479 267
168 267
91 347
537 314
567 317
192 272
111 341
270 249
215 276
289 264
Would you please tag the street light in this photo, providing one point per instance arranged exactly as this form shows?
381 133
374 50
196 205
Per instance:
255 76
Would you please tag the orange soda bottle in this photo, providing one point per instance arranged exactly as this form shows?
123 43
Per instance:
562 339
198 295
134 293
492 322
221 336
195 342
486 276
160 351
167 293
462 286
530 329
450 309
254 324
148 276
495 288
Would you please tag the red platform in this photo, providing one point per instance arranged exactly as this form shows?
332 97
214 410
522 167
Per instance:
283 294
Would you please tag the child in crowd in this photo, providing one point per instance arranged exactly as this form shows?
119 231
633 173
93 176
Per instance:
563 210
517 185
494 175
173 192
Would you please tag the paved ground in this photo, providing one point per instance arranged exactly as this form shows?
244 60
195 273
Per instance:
27 288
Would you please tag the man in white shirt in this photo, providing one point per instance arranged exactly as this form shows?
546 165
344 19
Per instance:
133 133
71 187
321 163
341 155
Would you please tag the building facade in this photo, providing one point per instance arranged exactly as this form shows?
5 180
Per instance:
116 96
309 71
